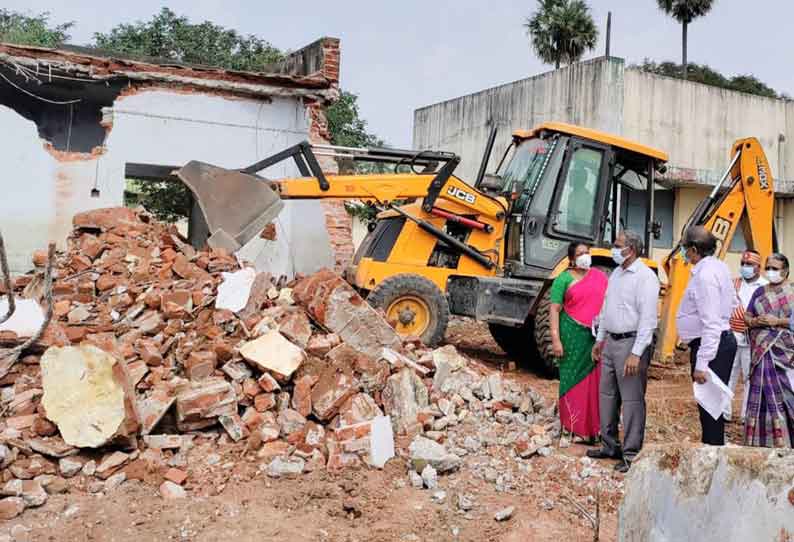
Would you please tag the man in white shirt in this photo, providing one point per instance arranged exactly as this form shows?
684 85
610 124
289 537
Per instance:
624 347
750 280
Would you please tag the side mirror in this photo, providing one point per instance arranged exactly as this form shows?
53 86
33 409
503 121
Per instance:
491 183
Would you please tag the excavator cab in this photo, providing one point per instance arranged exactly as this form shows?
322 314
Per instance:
565 184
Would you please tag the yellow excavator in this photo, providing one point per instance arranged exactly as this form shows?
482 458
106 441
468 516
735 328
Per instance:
490 249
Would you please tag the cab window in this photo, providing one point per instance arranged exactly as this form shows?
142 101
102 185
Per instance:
578 198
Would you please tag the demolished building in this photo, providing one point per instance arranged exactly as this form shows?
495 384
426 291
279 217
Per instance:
79 122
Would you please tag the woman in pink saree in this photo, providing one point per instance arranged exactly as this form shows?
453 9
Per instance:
576 296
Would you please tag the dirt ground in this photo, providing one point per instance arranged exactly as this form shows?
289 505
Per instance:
552 495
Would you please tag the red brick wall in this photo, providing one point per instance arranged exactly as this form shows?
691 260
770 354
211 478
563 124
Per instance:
338 222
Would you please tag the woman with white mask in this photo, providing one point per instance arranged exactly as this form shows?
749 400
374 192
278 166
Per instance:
769 420
576 298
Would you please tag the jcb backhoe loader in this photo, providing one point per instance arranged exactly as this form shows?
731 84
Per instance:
488 250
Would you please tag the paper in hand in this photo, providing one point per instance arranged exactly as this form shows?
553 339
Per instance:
714 396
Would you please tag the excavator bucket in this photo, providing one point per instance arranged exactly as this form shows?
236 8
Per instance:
236 206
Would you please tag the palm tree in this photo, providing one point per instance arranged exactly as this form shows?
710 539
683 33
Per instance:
685 11
561 31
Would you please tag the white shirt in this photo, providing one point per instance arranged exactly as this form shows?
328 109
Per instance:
706 308
631 305
746 291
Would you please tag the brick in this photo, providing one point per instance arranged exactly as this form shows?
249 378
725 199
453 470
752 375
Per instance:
153 409
176 476
201 405
297 328
268 383
150 353
358 409
251 388
223 350
274 449
331 391
236 370
110 464
106 219
252 418
319 345
44 427
11 507
335 305
302 394
264 402
200 365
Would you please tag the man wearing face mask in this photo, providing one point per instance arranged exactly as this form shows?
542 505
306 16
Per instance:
703 320
623 346
745 285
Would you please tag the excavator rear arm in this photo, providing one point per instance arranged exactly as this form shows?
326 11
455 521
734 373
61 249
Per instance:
749 196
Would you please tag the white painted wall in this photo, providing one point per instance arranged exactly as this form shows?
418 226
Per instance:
697 124
159 127
588 93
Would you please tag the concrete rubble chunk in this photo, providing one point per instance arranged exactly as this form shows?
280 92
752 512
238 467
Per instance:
396 359
430 477
415 479
424 451
88 395
170 490
164 442
281 467
28 317
31 491
69 467
404 395
290 422
504 514
465 502
113 482
381 446
688 492
446 360
272 352
335 305
359 408
152 409
234 291
496 387
234 426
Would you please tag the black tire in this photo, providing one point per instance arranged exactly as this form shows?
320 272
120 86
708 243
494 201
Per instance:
520 345
405 284
546 359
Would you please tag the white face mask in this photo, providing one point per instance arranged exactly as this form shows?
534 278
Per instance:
747 271
583 261
617 255
774 276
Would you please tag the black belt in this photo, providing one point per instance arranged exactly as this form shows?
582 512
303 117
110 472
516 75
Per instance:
622 336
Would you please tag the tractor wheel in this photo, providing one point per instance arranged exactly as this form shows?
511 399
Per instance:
545 357
414 305
517 342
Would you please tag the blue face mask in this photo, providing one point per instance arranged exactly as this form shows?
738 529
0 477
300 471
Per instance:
747 271
617 255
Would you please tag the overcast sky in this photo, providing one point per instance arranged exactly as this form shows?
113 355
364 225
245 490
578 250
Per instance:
401 55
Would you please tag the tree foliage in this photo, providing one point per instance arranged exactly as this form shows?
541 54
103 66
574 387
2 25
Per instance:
561 31
347 127
32 29
685 11
701 73
171 36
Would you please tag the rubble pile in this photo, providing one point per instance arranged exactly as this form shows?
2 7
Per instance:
154 346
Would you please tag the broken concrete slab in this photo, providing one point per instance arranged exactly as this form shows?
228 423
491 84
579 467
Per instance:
679 492
272 352
27 319
334 387
281 467
381 441
335 305
152 409
404 395
170 490
234 291
51 447
424 451
88 395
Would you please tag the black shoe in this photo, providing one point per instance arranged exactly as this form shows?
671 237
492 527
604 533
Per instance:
623 466
600 453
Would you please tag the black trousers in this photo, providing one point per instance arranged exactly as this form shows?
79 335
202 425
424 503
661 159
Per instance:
714 430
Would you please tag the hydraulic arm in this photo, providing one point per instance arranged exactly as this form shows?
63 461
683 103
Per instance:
743 196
